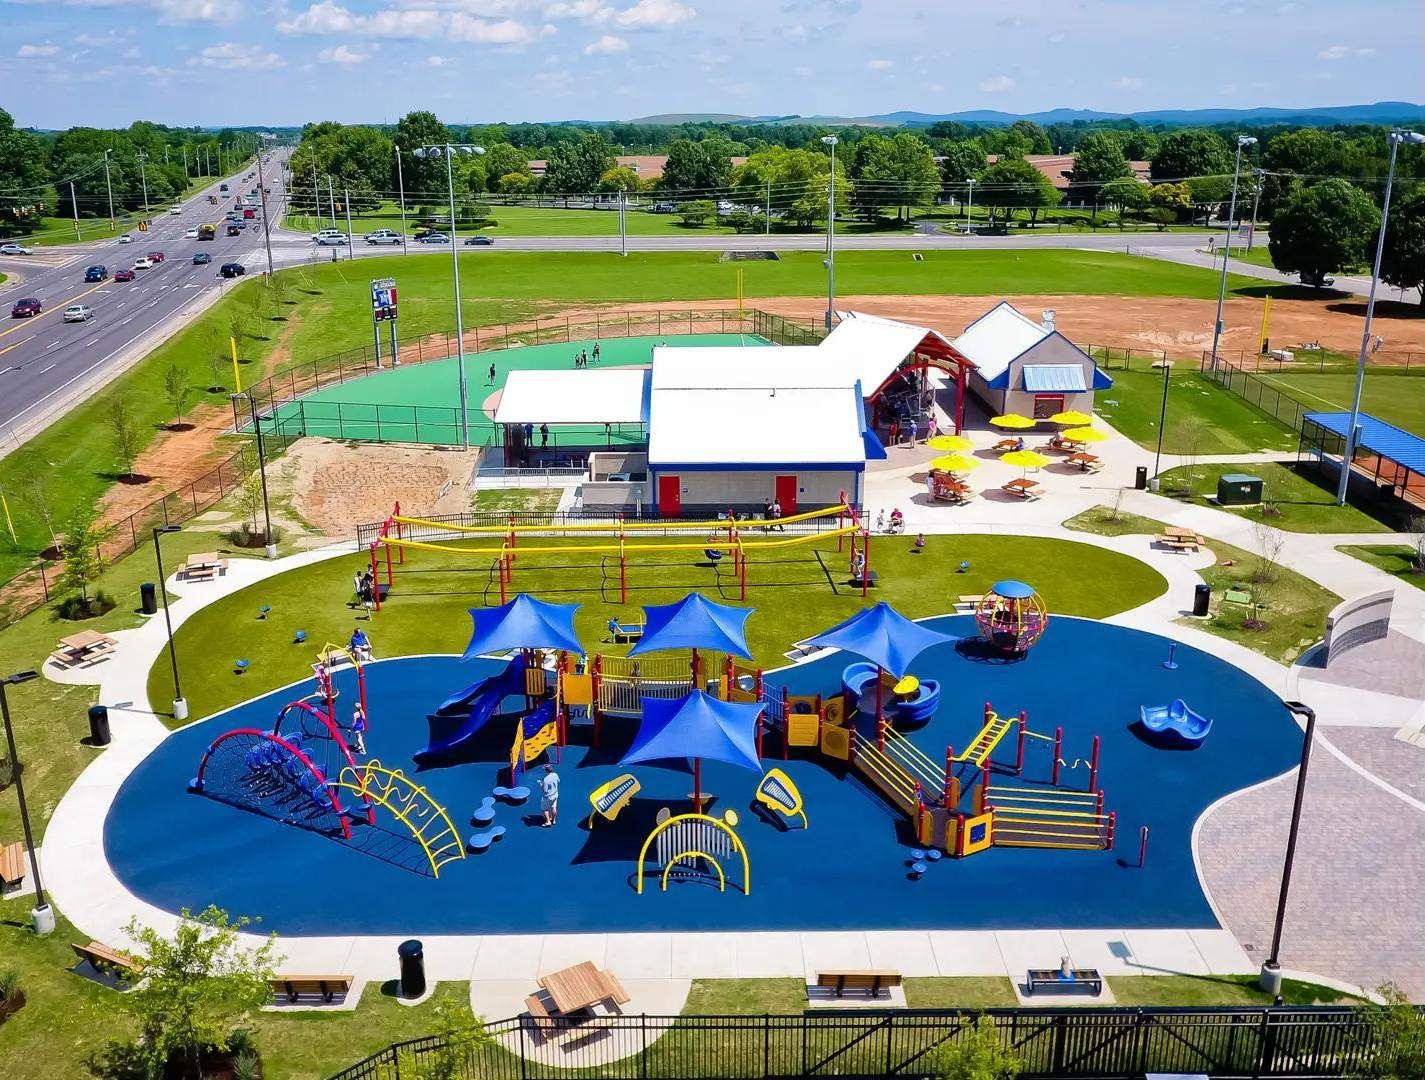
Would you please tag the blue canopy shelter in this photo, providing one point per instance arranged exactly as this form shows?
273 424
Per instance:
885 637
694 622
697 726
523 623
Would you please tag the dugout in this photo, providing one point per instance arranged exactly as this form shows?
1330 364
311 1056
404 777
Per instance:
559 418
1389 459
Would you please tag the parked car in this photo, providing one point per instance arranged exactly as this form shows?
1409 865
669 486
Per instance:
78 313
15 249
202 259
434 238
479 240
123 275
125 238
231 270
329 236
191 234
383 236
157 256
663 208
96 273
143 262
27 307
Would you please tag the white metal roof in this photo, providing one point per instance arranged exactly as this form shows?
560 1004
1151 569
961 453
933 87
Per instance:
586 396
872 347
719 367
755 426
997 337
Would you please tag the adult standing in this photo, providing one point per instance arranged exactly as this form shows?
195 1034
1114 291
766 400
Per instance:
549 795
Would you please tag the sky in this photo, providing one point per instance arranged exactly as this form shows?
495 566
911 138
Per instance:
212 62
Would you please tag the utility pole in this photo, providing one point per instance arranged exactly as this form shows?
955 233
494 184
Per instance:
185 161
767 217
74 204
350 246
110 189
143 181
831 141
266 221
331 200
316 194
1242 141
622 225
969 200
1258 175
401 187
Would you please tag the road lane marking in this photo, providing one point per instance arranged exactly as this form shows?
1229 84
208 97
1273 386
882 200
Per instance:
91 341
51 345
44 369
58 306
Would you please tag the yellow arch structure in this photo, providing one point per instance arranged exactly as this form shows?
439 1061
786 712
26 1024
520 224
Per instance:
686 823
411 805
331 647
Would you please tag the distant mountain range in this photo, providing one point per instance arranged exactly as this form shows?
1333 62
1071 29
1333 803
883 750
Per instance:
1382 112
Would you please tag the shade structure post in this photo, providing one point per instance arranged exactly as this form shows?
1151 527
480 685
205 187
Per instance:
949 774
375 577
390 580
1058 755
1093 765
697 785
760 727
866 563
786 725
1019 750
596 678
503 565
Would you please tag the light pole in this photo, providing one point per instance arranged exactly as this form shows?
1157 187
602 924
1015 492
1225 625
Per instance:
1270 978
180 703
110 189
622 223
143 182
1162 417
350 245
42 918
270 545
331 200
1395 138
401 187
448 151
266 221
1260 176
969 200
1242 140
831 141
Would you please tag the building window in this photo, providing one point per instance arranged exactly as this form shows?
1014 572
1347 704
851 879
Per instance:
1046 405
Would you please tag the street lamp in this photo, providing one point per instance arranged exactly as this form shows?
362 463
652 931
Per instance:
180 703
1162 417
42 917
831 141
1242 141
270 544
401 189
1395 138
1270 978
969 200
1260 175
448 152
110 189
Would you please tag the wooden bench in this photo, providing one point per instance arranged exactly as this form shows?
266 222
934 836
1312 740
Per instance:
1054 979
539 1013
967 600
102 958
1176 543
12 866
871 981
327 986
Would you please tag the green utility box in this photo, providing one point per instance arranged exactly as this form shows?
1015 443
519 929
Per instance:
1239 489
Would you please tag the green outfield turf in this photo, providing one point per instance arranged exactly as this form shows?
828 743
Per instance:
1392 396
1202 417
420 403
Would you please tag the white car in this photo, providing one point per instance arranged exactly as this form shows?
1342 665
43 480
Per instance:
175 209
78 313
191 234
15 249
143 262
125 238
329 236
384 236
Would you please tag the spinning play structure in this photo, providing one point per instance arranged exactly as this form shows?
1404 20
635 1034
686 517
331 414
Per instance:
1011 617
1174 724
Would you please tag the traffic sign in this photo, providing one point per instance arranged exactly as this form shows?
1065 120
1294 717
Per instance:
143 226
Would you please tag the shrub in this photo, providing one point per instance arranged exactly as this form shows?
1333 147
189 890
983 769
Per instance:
79 607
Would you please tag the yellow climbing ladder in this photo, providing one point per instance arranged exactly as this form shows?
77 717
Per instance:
983 744
411 805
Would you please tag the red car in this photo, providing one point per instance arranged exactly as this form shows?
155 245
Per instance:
156 256
123 275
27 307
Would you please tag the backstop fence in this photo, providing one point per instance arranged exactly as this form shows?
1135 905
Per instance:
1087 1043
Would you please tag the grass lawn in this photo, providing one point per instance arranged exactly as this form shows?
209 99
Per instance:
1258 256
1295 606
521 500
792 590
1217 990
1303 503
1388 394
1396 560
1203 418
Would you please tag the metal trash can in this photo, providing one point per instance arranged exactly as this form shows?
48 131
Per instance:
148 598
413 968
1140 481
99 725
1201 594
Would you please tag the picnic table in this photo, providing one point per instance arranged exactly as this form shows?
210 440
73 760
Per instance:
1180 539
1023 487
1004 446
1085 461
204 566
1058 442
581 987
84 647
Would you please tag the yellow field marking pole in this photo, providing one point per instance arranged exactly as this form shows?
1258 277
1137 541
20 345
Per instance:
237 378
9 524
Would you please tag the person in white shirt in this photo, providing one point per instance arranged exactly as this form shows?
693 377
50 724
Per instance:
549 795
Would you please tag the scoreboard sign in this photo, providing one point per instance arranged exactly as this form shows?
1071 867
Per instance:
383 299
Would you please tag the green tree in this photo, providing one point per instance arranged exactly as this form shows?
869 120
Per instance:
82 554
1294 158
1168 203
1191 152
1011 184
697 212
458 1035
501 159
515 183
178 389
962 160
198 985
1397 1040
124 428
897 171
697 167
1209 194
414 130
1033 135
576 167
976 1053
1126 194
23 177
619 178
796 179
1402 262
1098 160
1323 229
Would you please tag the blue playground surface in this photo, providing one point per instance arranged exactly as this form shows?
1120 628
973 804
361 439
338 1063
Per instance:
848 870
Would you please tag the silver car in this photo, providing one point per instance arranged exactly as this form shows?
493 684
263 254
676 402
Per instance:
15 249
78 313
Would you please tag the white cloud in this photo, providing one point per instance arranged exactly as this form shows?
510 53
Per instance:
483 32
439 61
323 18
195 11
654 14
880 65
410 24
231 56
343 54
1341 52
1127 82
34 52
592 10
607 44
997 84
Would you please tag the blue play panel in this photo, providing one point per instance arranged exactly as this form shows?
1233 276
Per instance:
849 870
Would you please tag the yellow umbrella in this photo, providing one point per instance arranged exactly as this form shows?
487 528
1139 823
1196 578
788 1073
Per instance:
1013 420
1026 459
1072 418
1085 434
956 463
950 442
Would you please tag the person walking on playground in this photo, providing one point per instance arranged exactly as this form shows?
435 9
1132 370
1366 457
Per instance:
366 591
596 352
549 795
543 436
492 374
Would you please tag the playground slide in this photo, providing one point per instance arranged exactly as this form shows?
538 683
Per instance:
480 700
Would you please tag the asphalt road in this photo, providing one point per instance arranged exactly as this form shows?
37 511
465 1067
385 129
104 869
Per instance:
45 362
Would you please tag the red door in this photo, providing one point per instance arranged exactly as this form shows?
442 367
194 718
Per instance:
670 495
786 492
